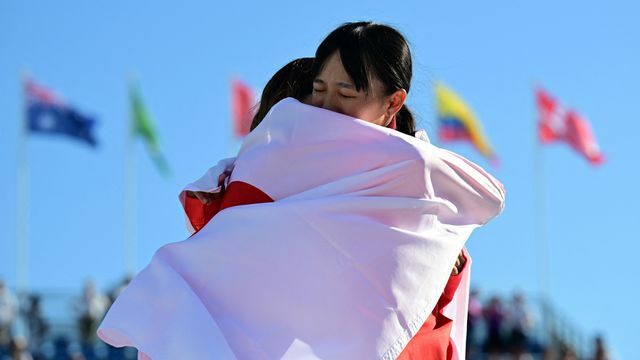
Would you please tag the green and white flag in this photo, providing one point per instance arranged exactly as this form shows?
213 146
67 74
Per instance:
144 127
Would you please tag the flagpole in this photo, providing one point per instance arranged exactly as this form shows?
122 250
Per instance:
22 198
541 222
130 195
541 230
232 136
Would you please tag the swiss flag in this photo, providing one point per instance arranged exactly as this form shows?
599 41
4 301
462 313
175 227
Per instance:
559 124
242 102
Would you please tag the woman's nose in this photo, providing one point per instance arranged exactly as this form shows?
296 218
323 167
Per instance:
327 101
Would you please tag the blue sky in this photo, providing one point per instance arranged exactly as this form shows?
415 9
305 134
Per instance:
490 52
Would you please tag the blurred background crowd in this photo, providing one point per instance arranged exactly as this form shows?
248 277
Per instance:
61 326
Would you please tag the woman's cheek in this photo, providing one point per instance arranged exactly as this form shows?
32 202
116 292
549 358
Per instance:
356 109
315 100
368 114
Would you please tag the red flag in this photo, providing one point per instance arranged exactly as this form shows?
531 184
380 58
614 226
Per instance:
559 124
242 101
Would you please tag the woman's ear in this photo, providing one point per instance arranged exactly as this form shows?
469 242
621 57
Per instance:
396 100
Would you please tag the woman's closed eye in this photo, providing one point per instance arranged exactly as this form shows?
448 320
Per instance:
319 86
348 93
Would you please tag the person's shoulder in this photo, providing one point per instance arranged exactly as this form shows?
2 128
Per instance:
284 105
421 134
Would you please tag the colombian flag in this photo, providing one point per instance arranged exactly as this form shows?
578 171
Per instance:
456 121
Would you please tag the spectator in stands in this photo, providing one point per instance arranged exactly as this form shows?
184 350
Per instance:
494 317
36 324
599 349
19 349
90 307
8 314
567 352
474 321
519 322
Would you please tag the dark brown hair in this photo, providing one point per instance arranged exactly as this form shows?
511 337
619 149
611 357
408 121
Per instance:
369 50
293 80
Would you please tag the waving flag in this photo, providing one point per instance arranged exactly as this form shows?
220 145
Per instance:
456 121
47 114
342 246
559 124
242 103
144 127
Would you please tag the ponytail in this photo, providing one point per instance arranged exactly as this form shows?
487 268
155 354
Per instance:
405 122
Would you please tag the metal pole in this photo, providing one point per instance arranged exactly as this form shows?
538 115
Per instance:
541 232
130 194
22 198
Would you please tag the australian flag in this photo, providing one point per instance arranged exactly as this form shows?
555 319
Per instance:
49 115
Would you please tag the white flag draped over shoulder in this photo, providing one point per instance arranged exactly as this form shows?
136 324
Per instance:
346 263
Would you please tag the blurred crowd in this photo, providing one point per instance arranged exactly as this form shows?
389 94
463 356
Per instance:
27 334
510 329
497 329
